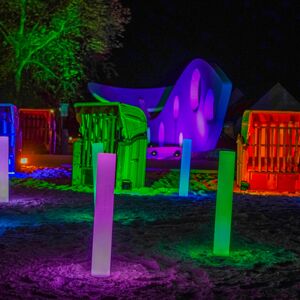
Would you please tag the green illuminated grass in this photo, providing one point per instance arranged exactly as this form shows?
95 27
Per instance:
165 185
68 216
43 184
244 254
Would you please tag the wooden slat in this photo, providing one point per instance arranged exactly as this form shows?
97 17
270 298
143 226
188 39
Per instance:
259 148
284 148
278 150
272 148
253 149
255 141
290 141
296 157
266 142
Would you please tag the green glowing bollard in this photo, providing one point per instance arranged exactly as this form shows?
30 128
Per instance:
224 203
96 148
184 180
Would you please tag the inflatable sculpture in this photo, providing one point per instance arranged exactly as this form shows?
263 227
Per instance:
122 129
269 151
194 108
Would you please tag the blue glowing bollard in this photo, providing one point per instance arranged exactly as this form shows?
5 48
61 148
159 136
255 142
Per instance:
224 203
103 214
148 134
185 168
4 169
96 148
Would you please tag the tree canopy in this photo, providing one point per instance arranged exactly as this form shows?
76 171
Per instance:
46 45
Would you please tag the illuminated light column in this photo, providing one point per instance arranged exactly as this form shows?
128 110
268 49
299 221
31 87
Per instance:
96 148
224 203
4 169
184 180
103 215
148 135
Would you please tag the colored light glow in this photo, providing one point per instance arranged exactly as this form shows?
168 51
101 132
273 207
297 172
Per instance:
209 105
201 124
180 139
96 149
4 169
103 215
161 134
176 107
194 91
64 109
24 160
185 168
224 203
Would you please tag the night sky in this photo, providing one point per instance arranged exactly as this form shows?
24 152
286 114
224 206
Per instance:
254 42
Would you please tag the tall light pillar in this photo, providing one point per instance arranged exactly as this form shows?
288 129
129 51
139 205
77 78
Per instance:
224 203
103 214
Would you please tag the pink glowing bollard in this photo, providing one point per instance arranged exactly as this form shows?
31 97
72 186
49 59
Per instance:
103 215
4 169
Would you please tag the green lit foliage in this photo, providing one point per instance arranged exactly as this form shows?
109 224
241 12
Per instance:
45 44
245 254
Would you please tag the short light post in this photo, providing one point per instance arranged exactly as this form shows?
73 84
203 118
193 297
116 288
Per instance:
4 182
185 167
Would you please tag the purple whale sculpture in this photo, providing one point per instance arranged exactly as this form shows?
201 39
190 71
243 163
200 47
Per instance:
194 108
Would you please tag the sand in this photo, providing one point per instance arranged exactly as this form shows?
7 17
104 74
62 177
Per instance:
162 244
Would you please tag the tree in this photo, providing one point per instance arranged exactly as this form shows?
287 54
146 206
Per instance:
45 44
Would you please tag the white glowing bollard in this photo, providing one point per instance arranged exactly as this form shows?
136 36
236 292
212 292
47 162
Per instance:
103 215
185 166
4 169
96 149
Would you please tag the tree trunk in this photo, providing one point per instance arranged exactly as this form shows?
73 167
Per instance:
18 84
20 67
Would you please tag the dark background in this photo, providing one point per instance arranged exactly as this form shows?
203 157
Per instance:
254 42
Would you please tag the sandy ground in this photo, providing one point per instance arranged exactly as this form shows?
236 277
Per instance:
162 244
